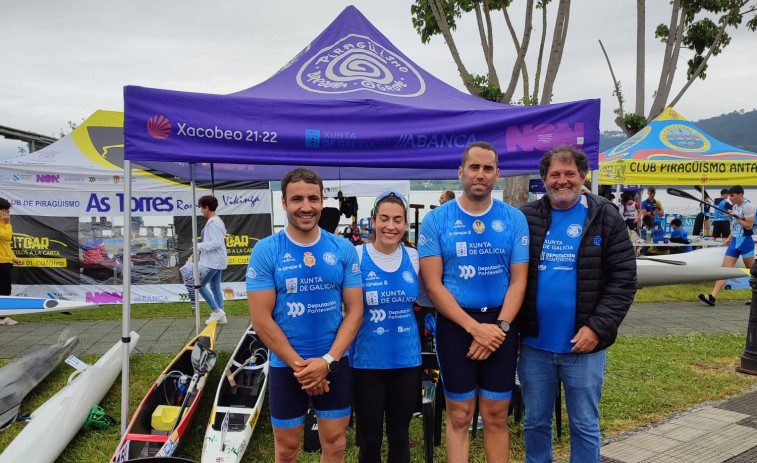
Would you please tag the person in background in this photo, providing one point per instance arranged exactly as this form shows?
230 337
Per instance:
630 211
652 206
213 256
474 260
740 242
386 354
581 283
7 257
654 233
721 223
447 195
297 280
679 235
702 220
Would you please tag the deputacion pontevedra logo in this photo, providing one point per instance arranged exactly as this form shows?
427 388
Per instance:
356 63
159 127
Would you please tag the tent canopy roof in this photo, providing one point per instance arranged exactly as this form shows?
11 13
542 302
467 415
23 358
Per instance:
670 150
353 106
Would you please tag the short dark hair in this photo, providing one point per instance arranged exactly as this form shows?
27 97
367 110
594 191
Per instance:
677 222
208 201
480 144
735 190
652 190
449 194
4 204
301 174
724 191
563 153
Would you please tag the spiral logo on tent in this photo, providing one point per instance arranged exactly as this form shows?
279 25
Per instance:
159 127
356 63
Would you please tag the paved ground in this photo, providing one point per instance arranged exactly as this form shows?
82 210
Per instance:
722 432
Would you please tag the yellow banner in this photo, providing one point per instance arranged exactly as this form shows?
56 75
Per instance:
43 262
238 260
728 173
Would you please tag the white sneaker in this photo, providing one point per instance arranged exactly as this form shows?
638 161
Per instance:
219 317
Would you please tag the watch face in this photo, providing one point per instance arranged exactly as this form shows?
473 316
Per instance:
333 366
504 325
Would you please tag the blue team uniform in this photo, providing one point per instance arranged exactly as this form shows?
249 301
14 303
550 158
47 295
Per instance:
308 280
651 207
477 251
742 243
388 337
557 276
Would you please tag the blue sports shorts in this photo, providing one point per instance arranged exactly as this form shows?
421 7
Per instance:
493 378
288 402
741 246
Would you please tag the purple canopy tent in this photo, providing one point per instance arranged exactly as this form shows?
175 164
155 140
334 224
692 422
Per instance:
350 106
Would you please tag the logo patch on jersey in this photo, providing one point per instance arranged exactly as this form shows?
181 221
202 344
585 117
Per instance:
498 226
355 268
380 330
461 248
295 309
524 240
377 315
309 259
407 276
574 230
251 273
329 258
291 285
371 276
478 226
287 258
422 240
403 329
467 271
371 297
458 224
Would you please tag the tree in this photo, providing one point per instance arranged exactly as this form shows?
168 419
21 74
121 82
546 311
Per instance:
439 17
699 26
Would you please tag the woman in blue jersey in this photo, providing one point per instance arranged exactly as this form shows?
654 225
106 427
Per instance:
386 354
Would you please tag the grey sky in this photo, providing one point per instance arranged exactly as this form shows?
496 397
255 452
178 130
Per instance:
62 61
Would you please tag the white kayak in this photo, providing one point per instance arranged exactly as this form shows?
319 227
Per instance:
17 379
238 402
52 426
700 265
12 305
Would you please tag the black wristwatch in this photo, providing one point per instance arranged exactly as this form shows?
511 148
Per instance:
332 363
504 325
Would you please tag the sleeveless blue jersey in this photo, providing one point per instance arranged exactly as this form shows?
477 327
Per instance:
722 204
745 209
477 250
308 281
556 281
388 337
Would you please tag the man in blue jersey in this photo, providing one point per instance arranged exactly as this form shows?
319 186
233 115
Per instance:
581 283
474 262
721 223
652 206
740 242
297 281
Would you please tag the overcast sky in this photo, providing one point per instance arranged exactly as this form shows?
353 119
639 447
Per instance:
63 60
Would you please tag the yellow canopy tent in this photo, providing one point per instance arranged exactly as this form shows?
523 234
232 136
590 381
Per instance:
670 150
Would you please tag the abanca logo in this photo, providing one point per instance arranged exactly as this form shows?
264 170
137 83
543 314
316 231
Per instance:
159 127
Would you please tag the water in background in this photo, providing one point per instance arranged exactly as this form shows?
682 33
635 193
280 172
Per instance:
671 204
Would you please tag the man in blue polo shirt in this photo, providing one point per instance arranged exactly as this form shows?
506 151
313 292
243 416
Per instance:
474 262
297 281
652 206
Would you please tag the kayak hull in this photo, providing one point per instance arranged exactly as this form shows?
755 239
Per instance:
58 420
238 401
11 305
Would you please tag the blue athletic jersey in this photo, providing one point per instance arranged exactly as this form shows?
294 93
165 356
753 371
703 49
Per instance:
704 209
476 250
556 283
308 280
722 204
388 337
745 209
652 206
681 233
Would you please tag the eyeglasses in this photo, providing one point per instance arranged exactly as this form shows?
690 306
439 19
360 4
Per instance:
380 198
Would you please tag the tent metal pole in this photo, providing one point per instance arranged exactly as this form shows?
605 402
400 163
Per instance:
126 311
195 254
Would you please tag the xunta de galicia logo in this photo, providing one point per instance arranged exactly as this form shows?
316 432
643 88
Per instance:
159 127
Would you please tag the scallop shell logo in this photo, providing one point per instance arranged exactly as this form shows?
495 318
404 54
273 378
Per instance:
358 63
159 127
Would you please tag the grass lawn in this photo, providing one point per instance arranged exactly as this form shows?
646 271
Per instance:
647 379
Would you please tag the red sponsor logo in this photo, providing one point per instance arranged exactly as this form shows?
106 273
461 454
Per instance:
159 127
